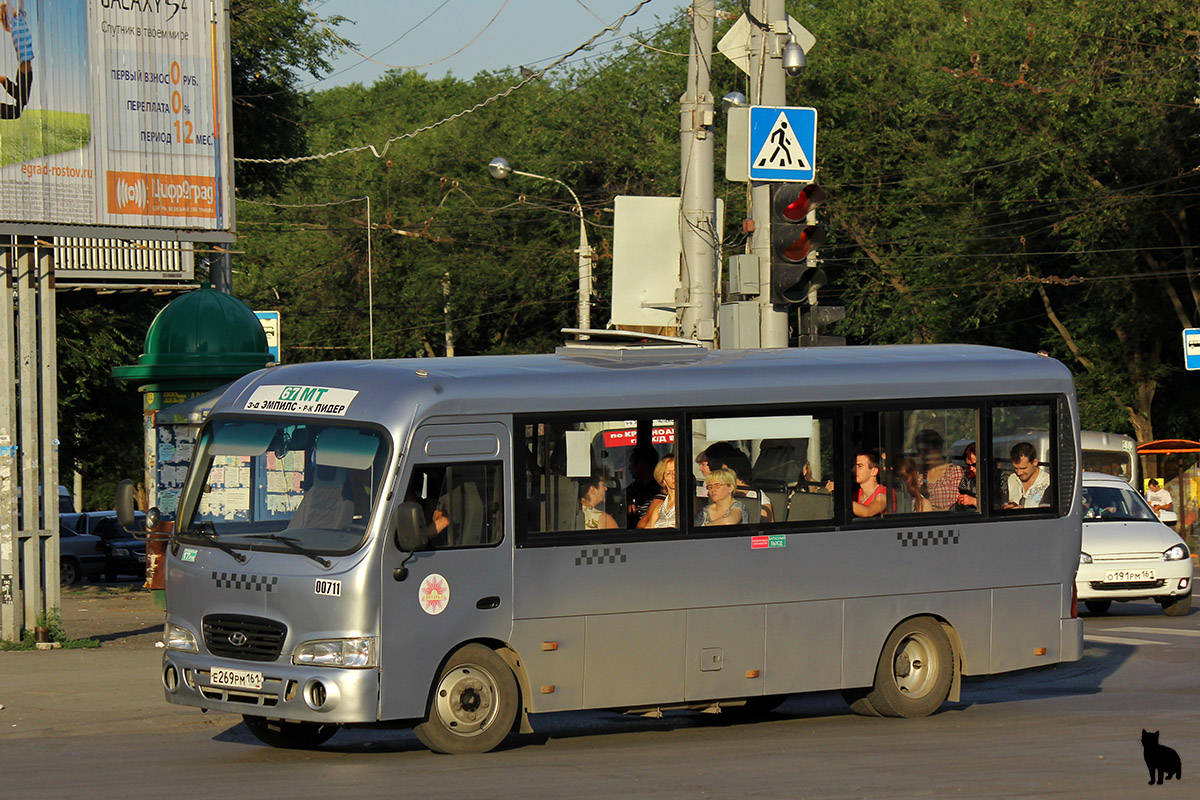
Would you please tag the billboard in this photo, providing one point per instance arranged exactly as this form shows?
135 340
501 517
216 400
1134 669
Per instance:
115 113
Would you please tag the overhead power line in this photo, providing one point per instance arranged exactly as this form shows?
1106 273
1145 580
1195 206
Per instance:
380 153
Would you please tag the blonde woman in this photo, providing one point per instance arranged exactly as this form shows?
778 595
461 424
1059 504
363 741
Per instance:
661 513
723 508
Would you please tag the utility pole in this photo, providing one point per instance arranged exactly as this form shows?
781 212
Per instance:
697 209
767 88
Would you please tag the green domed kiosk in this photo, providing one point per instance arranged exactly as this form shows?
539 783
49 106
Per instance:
197 344
199 341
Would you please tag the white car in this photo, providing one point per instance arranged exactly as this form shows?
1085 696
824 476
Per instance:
1127 553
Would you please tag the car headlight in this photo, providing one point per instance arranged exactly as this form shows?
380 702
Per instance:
176 637
356 653
1176 552
120 552
1084 558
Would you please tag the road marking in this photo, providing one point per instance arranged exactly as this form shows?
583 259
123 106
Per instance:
1156 631
1088 637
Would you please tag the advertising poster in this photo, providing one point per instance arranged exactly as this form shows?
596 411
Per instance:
114 113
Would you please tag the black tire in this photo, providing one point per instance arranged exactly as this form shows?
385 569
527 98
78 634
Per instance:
474 704
1177 606
1097 606
68 572
289 735
914 674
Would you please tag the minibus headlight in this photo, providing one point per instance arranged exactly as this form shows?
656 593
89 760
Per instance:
1084 558
348 653
1176 552
176 637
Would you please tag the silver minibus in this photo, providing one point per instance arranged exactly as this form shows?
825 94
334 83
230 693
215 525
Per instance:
462 544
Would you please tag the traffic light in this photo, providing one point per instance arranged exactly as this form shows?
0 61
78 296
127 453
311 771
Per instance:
792 239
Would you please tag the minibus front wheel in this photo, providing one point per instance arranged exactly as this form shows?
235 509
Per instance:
290 735
474 704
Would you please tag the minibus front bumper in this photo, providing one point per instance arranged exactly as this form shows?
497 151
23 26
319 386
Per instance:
277 689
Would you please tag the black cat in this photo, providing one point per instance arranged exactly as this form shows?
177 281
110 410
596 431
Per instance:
1161 760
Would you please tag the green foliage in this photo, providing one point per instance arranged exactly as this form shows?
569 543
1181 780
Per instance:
269 41
494 261
100 419
1015 174
52 621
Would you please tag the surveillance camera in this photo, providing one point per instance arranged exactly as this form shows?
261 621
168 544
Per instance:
794 60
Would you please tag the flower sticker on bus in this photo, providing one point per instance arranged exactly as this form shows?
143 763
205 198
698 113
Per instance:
434 594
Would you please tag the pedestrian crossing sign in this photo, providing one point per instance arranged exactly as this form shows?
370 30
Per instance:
783 143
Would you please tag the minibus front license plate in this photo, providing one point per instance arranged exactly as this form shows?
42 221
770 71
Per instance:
236 678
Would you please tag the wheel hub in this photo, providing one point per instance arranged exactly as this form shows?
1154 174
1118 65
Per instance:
465 700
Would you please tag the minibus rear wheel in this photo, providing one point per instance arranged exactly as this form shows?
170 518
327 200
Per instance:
289 735
914 674
474 704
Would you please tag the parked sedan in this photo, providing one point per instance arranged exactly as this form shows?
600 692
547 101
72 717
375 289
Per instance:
80 555
1128 553
123 554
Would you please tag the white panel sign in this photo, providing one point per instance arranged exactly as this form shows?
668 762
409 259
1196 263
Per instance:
120 115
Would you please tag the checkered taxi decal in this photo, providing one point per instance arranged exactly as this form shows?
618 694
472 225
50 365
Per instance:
927 538
249 583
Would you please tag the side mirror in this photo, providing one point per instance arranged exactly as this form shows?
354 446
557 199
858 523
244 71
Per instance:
409 527
124 504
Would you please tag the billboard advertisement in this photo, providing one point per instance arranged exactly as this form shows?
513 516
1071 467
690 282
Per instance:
115 113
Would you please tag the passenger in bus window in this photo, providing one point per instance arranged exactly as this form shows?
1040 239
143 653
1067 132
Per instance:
722 508
1028 483
662 509
591 497
642 490
968 487
724 455
871 500
909 498
941 477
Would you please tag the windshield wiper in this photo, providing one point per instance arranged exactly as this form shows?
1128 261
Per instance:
211 537
293 544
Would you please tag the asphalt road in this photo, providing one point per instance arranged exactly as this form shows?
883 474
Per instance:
93 723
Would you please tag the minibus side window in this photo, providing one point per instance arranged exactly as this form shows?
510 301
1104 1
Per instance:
599 474
1023 449
781 467
463 503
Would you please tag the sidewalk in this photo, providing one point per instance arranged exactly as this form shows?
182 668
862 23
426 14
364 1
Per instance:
102 691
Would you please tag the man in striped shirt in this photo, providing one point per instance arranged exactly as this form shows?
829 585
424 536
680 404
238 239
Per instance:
12 17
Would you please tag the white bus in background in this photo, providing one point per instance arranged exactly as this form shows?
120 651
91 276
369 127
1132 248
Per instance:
1112 454
416 542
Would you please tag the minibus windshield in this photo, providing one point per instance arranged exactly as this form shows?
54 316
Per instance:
296 487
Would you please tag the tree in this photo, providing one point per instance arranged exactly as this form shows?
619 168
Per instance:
1015 175
269 41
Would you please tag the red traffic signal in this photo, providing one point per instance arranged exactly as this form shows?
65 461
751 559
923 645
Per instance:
791 202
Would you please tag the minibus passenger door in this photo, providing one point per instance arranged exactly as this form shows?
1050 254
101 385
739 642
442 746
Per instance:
457 588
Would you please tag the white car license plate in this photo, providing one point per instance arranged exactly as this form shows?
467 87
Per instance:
1128 575
236 678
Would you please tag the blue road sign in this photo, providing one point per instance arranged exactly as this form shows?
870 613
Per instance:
270 322
783 143
1191 348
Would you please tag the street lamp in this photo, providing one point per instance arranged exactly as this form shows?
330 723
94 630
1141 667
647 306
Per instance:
499 168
